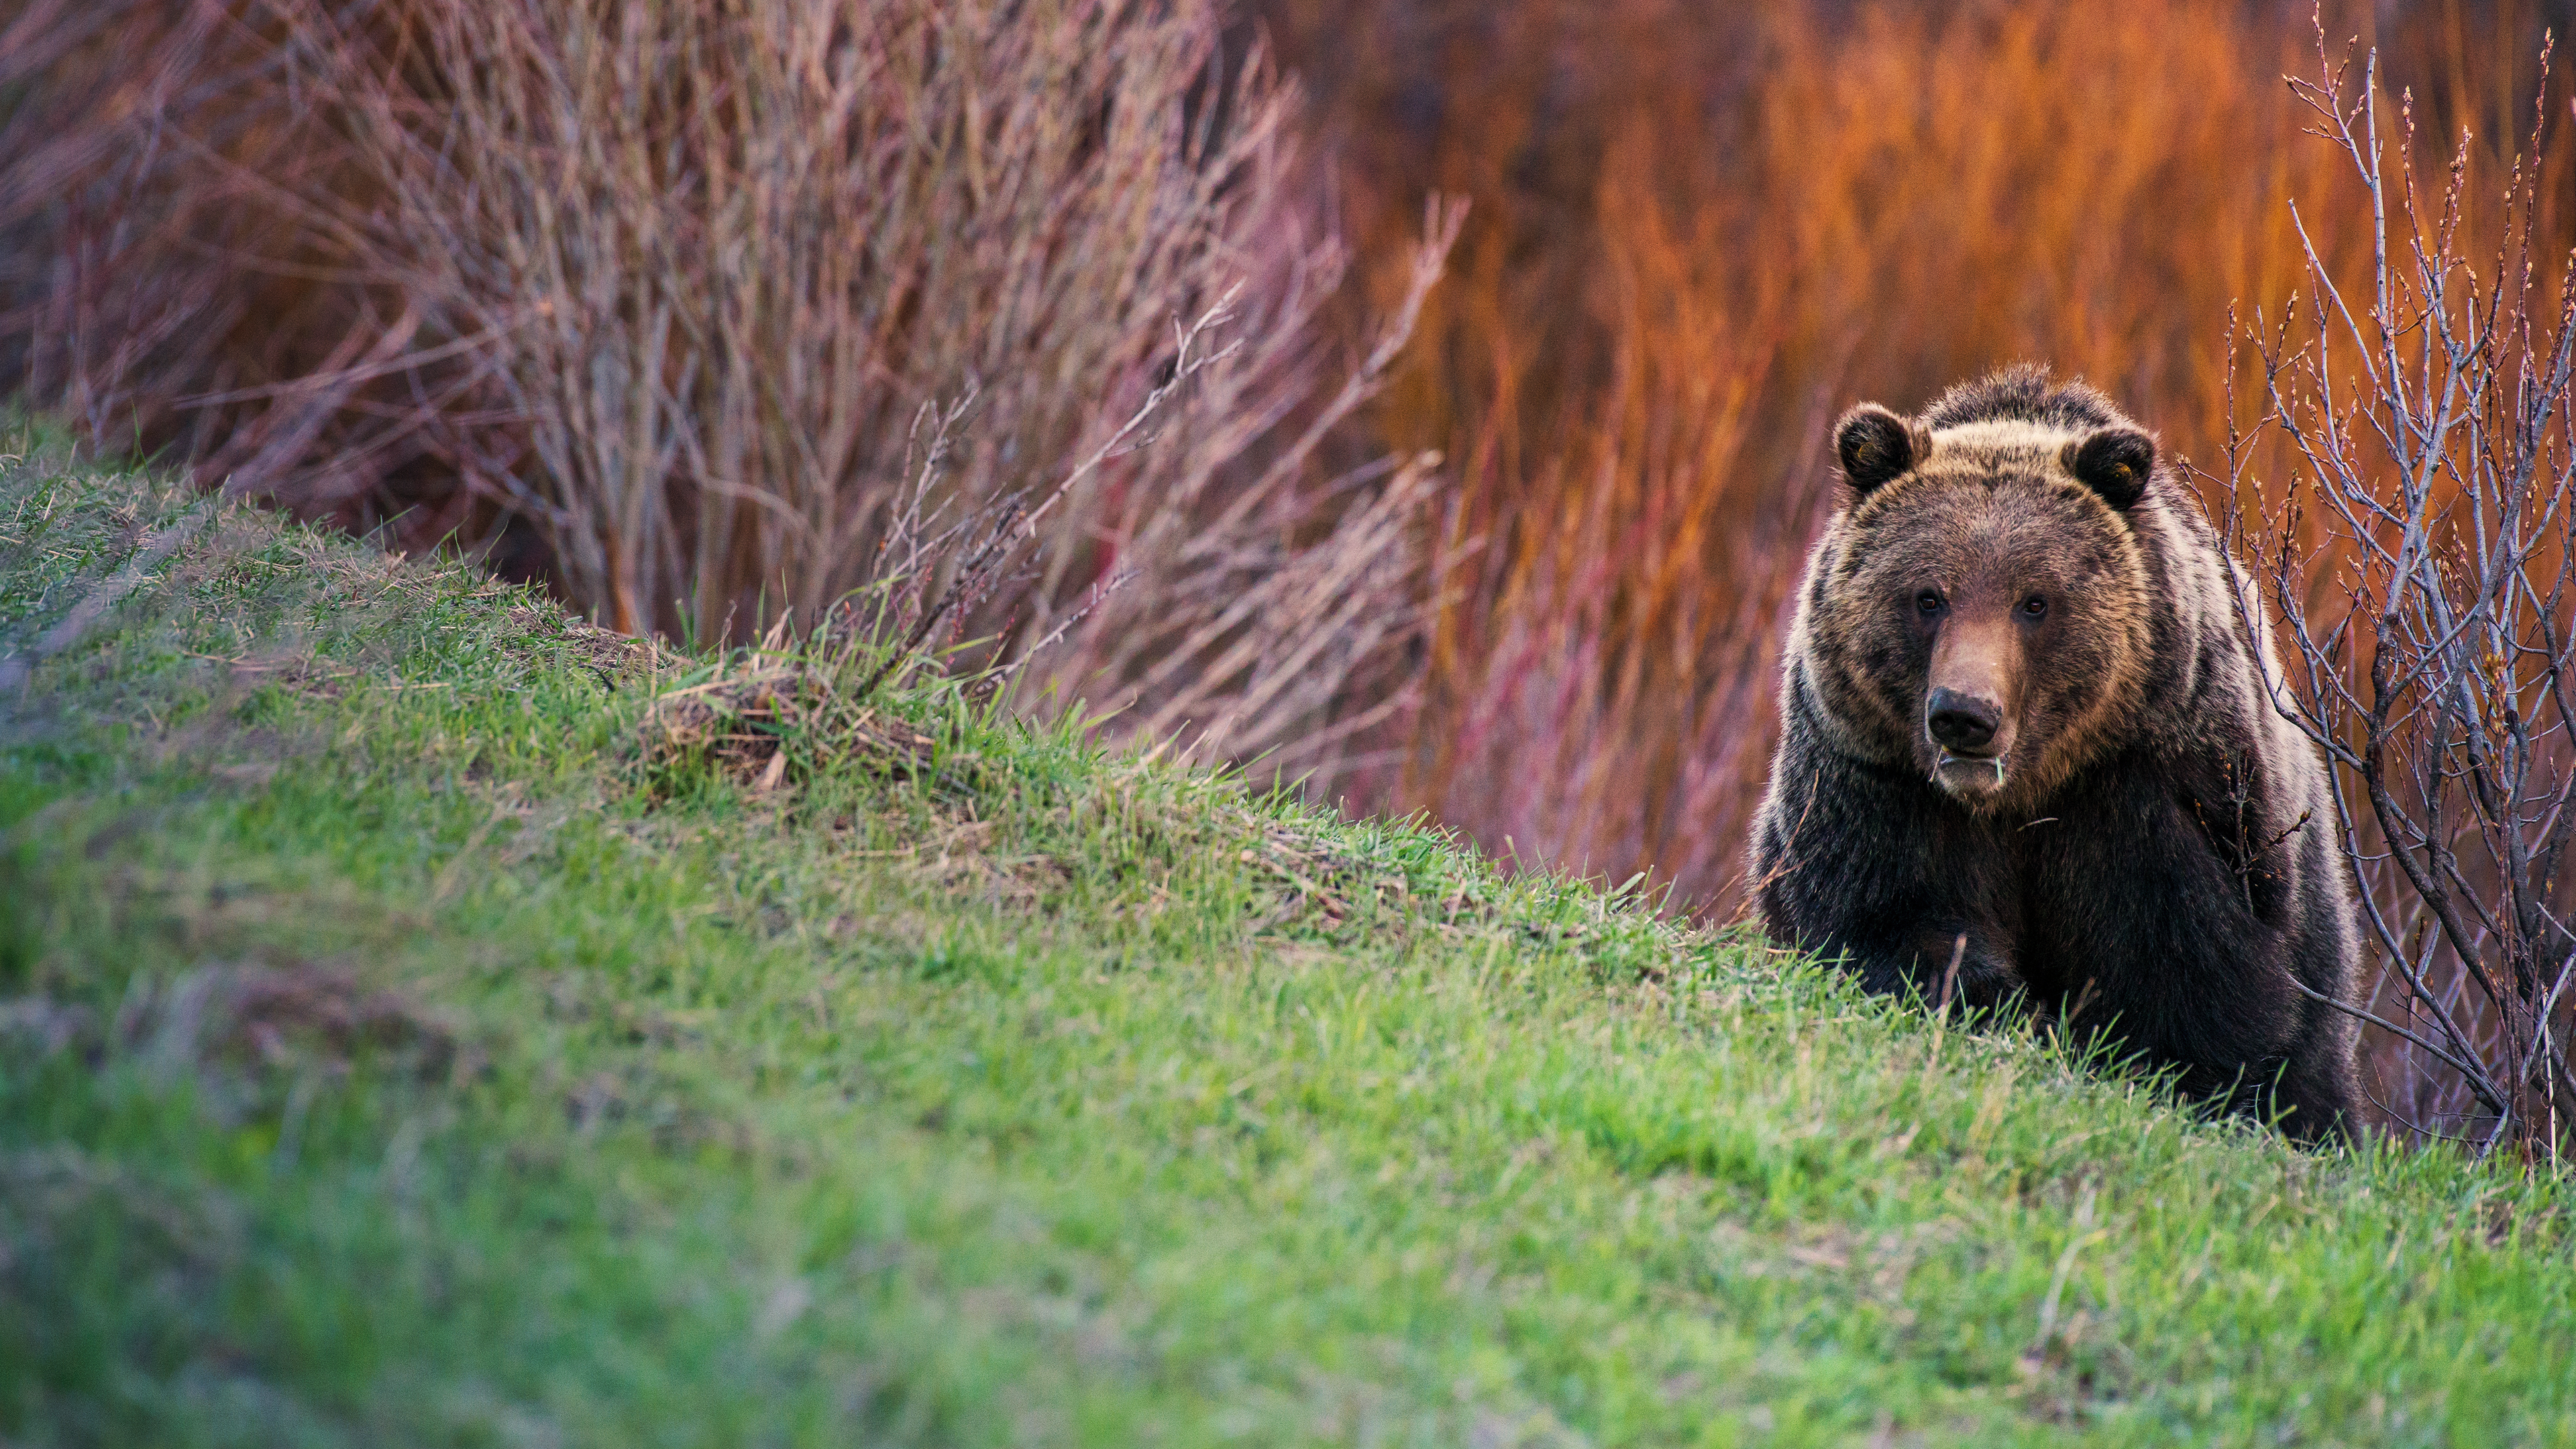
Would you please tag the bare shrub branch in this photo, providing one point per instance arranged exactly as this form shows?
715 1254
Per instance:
2417 558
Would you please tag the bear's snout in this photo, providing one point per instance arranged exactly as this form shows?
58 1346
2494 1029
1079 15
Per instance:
1961 722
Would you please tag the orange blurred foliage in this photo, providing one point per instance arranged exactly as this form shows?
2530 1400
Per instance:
1697 234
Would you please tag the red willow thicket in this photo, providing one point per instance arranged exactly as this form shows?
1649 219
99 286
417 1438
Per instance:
676 303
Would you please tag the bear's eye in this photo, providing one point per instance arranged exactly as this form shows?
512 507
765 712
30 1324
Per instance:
2034 607
1929 601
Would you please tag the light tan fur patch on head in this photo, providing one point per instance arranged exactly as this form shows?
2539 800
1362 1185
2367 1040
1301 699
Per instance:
2000 450
1996 438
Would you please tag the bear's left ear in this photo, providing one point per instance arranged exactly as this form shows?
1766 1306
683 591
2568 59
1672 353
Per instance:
2114 462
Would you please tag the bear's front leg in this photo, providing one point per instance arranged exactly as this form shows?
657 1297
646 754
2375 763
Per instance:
1957 963
1943 960
2314 1099
1870 865
1917 939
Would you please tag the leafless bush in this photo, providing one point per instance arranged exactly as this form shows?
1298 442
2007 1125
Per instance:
2419 560
1298 595
165 281
672 282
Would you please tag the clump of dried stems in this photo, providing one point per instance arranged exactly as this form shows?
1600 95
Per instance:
755 713
2418 555
661 288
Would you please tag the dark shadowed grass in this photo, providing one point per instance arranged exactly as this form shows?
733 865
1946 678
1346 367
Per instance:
405 1043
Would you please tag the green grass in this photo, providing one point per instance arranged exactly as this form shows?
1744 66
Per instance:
394 1051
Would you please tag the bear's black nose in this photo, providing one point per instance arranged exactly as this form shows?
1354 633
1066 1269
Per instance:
1962 722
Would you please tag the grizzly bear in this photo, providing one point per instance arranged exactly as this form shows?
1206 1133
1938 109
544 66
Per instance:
2027 755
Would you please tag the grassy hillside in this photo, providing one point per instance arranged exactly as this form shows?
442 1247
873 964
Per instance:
408 1035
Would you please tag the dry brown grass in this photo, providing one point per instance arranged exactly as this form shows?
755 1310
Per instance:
774 715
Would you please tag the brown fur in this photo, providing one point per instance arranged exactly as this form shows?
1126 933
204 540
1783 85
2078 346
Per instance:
2112 816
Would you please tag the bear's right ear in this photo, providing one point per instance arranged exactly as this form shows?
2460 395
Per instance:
1875 446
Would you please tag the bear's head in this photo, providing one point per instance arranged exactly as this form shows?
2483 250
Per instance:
1982 608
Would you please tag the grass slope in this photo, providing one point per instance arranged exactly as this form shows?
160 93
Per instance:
390 1053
